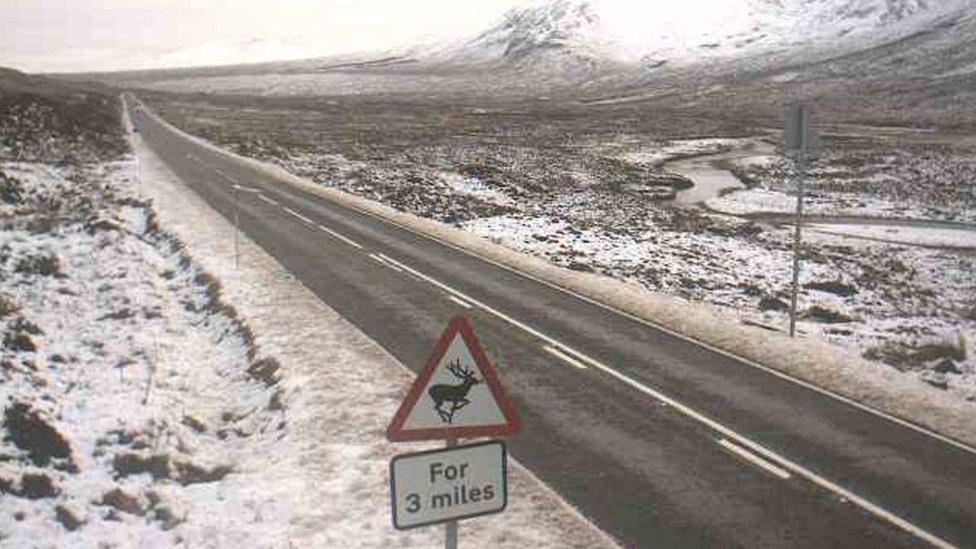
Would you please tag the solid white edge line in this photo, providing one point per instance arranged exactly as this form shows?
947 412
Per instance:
460 302
343 238
782 375
568 359
268 200
701 418
754 459
298 215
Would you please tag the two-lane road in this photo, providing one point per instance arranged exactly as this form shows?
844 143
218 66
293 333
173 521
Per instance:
660 441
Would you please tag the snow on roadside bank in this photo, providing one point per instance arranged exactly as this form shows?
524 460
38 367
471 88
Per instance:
325 483
112 432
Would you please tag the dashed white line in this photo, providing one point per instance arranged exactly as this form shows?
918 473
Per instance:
460 301
384 262
299 216
566 358
341 237
227 177
268 200
754 459
246 189
693 414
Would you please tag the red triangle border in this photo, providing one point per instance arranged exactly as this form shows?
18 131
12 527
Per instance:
459 324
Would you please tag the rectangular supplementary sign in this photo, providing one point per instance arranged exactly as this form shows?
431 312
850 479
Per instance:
453 483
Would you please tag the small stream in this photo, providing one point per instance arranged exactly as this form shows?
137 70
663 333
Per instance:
710 181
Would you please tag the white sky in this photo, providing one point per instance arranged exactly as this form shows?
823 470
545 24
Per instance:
87 35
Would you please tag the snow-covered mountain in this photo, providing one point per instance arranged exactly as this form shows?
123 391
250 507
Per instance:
683 31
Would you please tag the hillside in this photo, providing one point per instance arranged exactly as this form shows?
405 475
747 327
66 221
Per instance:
49 119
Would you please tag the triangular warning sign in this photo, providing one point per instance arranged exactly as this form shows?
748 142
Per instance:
456 395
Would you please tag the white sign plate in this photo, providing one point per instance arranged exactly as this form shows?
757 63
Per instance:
448 484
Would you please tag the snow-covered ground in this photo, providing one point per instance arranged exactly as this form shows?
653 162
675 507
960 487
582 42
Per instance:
113 432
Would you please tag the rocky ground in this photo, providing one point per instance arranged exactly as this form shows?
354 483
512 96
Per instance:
578 190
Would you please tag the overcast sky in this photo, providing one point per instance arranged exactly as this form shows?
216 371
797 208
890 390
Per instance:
88 35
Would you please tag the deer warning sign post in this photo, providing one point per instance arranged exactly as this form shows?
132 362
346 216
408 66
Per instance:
456 395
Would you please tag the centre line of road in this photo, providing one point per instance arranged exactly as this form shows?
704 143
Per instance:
754 459
384 262
693 414
460 301
566 358
227 177
268 200
299 216
242 188
341 237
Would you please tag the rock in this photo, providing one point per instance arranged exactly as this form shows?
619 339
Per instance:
582 267
946 366
770 303
19 342
264 370
32 433
938 383
191 473
70 516
100 224
827 316
193 423
123 501
37 486
836 287
132 463
166 507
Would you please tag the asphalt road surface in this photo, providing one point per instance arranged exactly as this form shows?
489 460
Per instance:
660 441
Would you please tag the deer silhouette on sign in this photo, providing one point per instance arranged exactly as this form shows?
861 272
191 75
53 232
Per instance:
456 395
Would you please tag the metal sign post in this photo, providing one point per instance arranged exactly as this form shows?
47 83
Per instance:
451 528
797 140
237 230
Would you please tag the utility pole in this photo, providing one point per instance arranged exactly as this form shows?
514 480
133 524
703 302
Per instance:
797 141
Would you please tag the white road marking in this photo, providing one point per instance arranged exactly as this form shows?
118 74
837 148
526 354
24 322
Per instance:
227 177
689 339
299 216
754 459
345 239
701 418
246 189
268 200
572 361
460 302
384 262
